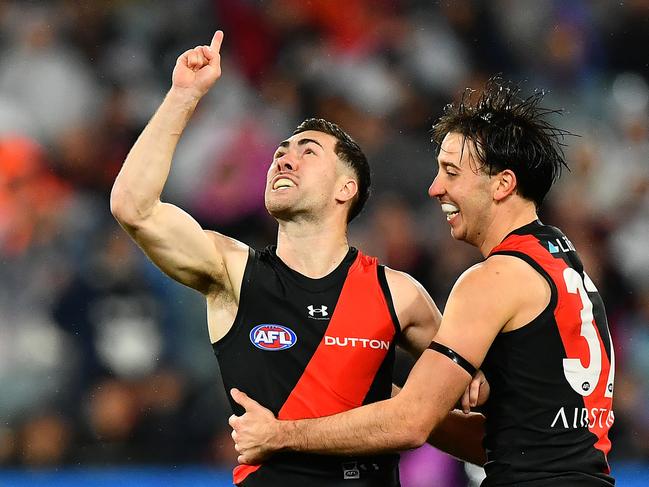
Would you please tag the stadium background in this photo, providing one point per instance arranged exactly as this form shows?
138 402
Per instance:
106 373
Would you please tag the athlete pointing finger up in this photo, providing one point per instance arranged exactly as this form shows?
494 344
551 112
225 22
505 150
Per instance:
307 327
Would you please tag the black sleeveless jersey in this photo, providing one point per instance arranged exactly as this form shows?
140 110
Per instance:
307 348
550 407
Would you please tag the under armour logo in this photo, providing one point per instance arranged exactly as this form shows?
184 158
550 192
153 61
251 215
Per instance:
321 311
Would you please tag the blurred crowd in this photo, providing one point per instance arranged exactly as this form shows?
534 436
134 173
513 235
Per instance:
103 360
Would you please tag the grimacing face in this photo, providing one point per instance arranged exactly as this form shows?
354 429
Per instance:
464 192
303 176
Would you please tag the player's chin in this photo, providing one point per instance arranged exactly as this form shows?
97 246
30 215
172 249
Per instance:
281 210
458 234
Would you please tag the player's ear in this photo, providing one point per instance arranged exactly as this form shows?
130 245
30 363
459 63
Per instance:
347 189
505 184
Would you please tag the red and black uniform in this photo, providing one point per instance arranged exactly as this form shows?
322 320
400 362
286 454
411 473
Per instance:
306 348
550 407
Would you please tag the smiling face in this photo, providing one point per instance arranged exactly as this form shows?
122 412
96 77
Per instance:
464 191
306 177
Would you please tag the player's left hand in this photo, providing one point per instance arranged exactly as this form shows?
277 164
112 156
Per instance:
476 393
255 432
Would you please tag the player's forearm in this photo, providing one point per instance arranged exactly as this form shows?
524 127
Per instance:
374 429
142 178
461 435
403 422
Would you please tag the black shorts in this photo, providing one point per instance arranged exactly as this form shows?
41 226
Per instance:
348 473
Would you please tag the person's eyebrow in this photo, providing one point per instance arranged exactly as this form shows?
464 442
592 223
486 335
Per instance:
447 164
306 141
285 143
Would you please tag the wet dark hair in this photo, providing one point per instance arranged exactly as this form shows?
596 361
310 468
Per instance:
509 132
350 153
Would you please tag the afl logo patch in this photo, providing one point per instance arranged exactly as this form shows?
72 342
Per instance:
272 337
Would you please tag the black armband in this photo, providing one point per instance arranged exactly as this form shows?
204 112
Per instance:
458 359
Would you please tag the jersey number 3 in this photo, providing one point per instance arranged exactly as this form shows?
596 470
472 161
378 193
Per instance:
584 379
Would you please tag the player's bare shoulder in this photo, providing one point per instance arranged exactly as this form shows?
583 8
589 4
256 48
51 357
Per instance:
500 269
505 285
406 291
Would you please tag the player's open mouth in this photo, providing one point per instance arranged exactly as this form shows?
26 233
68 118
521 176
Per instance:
450 210
283 183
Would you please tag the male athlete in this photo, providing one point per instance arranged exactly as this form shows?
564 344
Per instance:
529 315
307 327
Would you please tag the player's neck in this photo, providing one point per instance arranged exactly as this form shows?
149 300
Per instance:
312 249
505 221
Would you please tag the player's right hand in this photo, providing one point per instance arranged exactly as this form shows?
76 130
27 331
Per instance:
198 69
476 393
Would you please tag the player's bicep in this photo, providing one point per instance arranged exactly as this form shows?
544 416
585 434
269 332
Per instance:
418 314
177 244
476 311
423 325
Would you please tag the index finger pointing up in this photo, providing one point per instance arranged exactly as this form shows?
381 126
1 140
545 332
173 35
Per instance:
215 45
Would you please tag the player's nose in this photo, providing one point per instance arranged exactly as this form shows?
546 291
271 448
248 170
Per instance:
436 189
286 163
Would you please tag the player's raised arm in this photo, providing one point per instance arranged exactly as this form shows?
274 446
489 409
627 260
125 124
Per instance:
170 237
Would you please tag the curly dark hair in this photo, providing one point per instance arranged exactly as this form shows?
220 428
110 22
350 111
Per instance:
350 153
509 132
